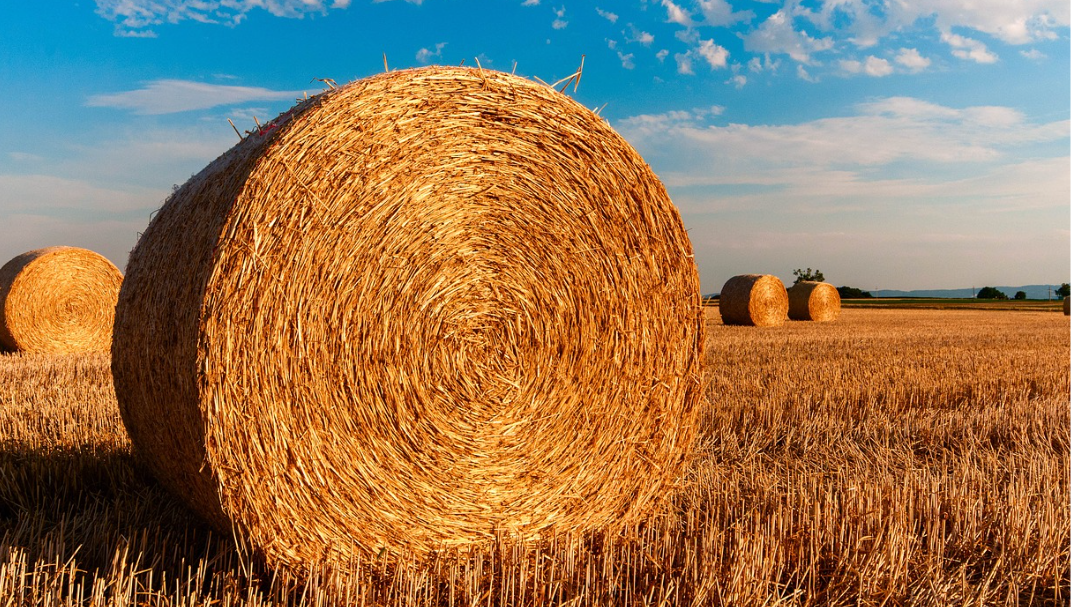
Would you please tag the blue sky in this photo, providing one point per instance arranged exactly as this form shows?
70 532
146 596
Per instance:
895 144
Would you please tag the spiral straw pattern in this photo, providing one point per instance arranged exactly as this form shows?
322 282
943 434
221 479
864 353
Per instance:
757 300
58 300
415 312
816 301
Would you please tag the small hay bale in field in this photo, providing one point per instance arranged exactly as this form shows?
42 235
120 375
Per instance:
1067 305
397 320
816 301
753 299
58 300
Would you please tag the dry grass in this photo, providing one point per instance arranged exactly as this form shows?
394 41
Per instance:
892 457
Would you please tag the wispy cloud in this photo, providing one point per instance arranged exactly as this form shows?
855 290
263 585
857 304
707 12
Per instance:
881 132
608 16
559 22
170 96
426 55
133 17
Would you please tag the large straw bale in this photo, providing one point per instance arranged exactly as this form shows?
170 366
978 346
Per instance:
816 301
58 300
412 313
753 299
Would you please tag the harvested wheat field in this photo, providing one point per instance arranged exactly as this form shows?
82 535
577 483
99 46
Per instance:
893 457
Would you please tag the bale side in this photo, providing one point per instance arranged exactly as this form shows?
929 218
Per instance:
401 325
58 300
1067 305
815 301
756 300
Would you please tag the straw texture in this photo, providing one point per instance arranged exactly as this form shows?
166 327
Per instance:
58 300
758 300
414 312
816 301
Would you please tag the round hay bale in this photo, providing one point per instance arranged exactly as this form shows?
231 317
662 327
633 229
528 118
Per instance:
758 300
58 300
412 313
1067 305
816 301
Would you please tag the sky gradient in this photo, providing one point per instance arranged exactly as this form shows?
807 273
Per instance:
892 144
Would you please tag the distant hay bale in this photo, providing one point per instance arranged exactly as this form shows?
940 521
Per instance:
58 300
1067 305
816 301
753 299
412 313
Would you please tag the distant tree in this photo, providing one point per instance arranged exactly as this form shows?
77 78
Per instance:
991 293
808 275
1064 290
853 293
1020 295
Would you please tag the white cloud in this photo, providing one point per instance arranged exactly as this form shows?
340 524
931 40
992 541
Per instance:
635 35
611 17
739 80
169 96
530 2
626 60
714 54
683 64
880 132
677 14
559 23
968 48
720 13
426 55
803 74
1033 54
1012 21
871 66
662 54
134 15
777 35
912 59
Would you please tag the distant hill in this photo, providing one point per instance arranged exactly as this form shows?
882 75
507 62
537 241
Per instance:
1031 291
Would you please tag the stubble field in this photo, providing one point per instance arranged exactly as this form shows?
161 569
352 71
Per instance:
895 457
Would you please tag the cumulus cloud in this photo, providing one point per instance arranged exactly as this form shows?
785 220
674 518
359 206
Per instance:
170 96
871 66
714 54
683 64
133 17
911 59
1011 21
968 48
627 60
677 14
720 13
1033 54
777 35
610 17
662 54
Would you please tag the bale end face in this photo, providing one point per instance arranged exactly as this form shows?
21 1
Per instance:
814 301
402 325
58 300
757 300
